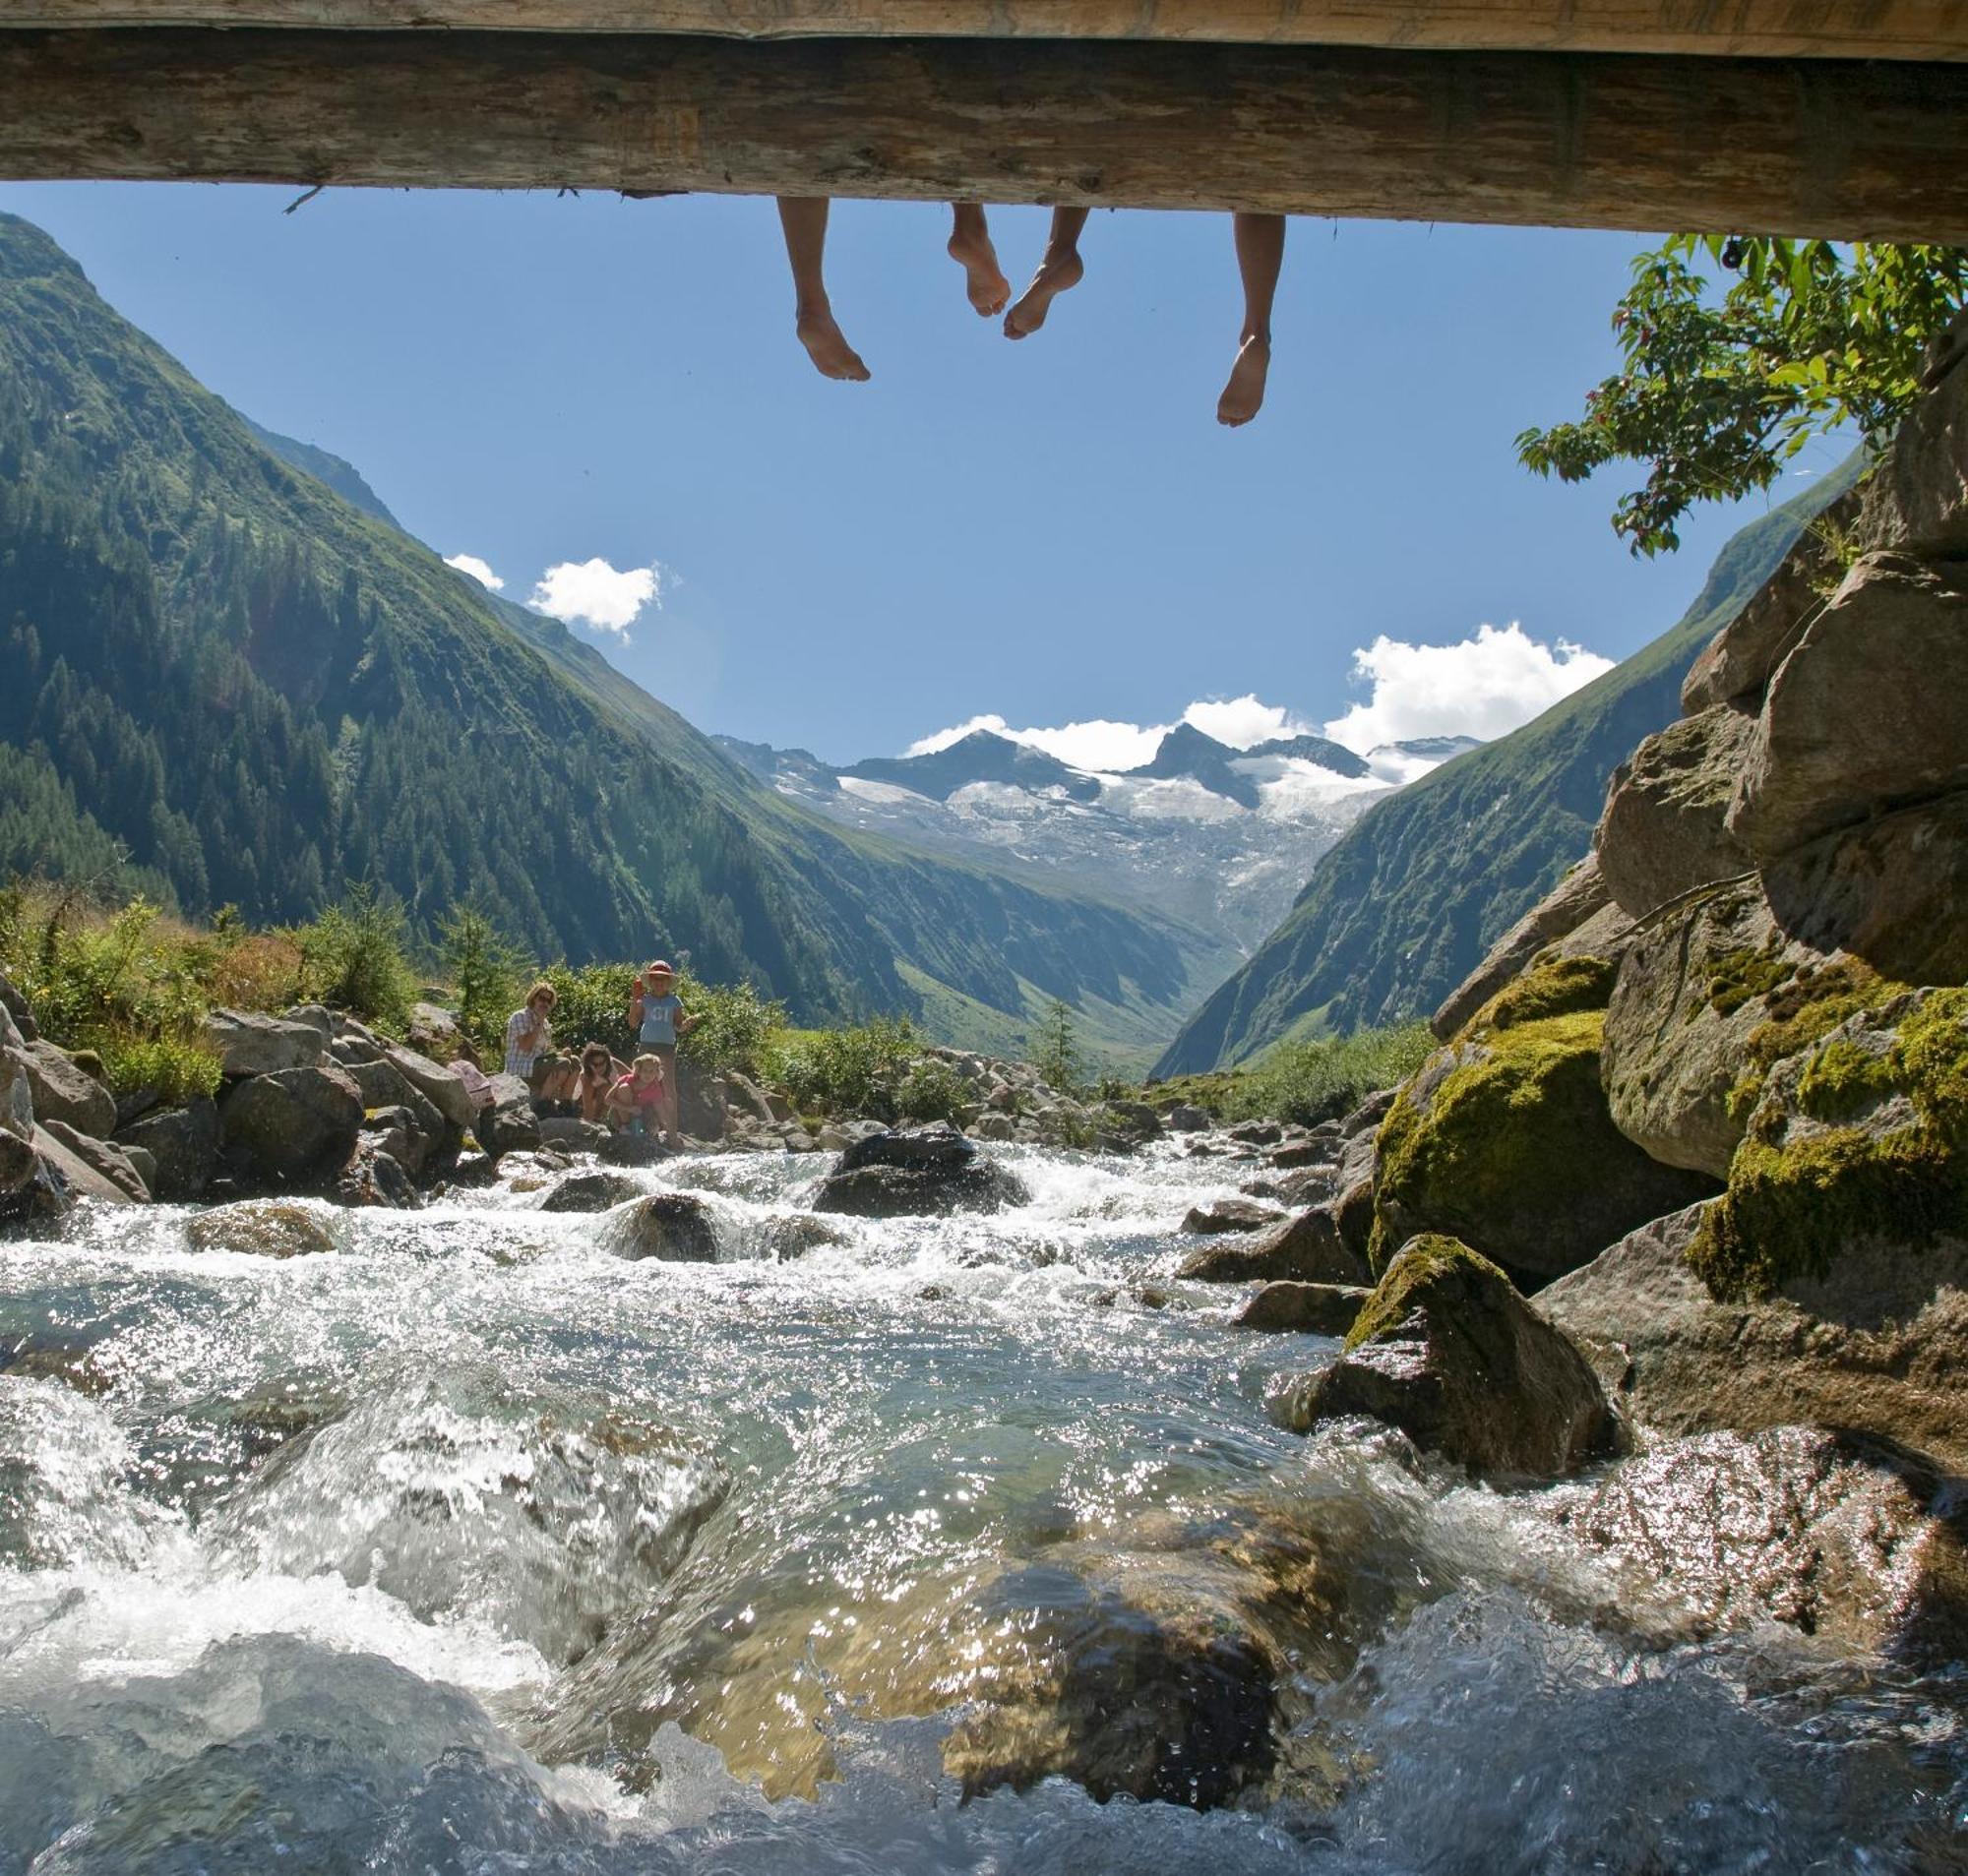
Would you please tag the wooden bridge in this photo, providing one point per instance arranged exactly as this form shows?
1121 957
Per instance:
1844 118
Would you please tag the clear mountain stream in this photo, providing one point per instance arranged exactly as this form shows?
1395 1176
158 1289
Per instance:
471 1545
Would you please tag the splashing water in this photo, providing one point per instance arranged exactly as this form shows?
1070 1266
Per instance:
958 1544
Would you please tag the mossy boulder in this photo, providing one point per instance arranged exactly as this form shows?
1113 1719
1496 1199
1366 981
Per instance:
1448 1351
1504 1139
1576 901
1704 999
1861 1134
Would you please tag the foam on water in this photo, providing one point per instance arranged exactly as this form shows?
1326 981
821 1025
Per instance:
355 1541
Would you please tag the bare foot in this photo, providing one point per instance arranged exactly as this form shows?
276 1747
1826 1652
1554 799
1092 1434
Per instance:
1054 277
1243 395
985 279
832 356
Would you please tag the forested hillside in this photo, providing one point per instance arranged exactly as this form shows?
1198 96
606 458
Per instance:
226 684
1410 899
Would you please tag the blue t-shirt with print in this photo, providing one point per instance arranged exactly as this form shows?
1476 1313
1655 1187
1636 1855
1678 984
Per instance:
659 1015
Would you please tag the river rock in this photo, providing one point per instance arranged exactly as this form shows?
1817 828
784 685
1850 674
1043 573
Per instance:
507 1124
78 1175
1448 1351
1865 714
591 1191
1661 833
291 1125
261 1228
17 1167
794 1235
1504 1139
904 1172
248 1043
671 1227
399 1132
433 1031
572 1134
1893 891
1125 1124
1308 1249
1846 1539
1229 1214
104 1156
1309 1309
373 1175
444 1088
1185 1118
62 1091
744 1095
1735 666
1878 1346
17 1090
1256 1132
1576 897
1001 1127
183 1142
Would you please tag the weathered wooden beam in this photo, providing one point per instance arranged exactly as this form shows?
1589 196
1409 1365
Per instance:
1737 28
1821 148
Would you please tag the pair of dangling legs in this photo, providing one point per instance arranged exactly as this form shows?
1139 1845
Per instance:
1260 242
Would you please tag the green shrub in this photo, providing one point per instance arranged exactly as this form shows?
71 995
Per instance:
488 972
1313 1081
845 1071
932 1090
592 1006
356 957
734 1027
176 1067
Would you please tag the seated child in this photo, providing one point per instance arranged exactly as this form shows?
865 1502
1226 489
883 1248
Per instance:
635 1102
599 1072
555 1085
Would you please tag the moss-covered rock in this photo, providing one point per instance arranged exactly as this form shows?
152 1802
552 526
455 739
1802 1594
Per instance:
1553 986
1706 1000
1505 1140
1661 833
1446 1351
1861 1133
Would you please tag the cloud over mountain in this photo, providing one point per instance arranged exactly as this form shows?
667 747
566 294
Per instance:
592 592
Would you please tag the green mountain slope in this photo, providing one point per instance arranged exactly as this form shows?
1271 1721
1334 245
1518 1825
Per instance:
257 691
1408 902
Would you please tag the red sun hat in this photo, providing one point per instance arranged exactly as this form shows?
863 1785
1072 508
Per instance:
660 969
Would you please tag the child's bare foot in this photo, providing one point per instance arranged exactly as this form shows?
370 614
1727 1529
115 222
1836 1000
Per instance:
985 280
1243 395
1056 274
832 356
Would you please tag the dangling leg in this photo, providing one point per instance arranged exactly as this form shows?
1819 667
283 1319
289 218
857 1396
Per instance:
804 218
970 246
1261 253
1060 269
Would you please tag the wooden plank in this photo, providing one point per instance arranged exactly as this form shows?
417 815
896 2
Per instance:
1741 28
1819 148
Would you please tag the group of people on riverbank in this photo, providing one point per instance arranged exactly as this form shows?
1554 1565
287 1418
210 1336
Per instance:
1260 251
592 1083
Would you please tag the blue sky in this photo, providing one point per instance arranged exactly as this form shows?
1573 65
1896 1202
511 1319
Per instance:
1047 532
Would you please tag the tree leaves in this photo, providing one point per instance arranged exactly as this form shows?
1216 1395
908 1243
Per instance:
1717 394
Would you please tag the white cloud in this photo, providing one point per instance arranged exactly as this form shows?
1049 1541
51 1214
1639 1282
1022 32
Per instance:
1483 687
591 593
1108 747
480 570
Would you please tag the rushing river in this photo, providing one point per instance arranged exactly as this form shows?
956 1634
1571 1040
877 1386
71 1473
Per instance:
471 1545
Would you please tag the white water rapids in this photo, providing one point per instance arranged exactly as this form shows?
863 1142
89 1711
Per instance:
471 1547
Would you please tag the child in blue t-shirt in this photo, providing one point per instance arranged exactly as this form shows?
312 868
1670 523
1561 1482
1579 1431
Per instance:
658 1019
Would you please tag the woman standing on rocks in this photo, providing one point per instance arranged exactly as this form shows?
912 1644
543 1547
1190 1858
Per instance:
658 1019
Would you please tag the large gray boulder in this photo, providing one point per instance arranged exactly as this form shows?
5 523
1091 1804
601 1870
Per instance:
507 1123
444 1089
1448 1351
79 1174
16 1085
1692 990
294 1127
1662 830
908 1171
263 1228
248 1043
184 1144
14 1010
672 1227
1307 1309
1917 499
594 1191
64 1092
1580 897
1865 714
1878 1345
104 1156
